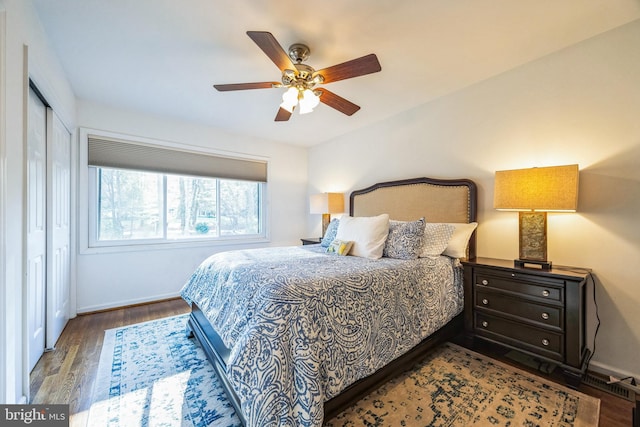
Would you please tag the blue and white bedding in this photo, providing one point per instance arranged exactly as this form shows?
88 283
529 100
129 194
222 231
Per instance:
302 325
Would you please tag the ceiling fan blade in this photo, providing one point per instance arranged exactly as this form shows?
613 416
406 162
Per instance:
356 67
283 115
272 49
244 86
337 102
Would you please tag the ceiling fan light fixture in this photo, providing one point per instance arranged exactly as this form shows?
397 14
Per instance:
308 101
304 108
289 99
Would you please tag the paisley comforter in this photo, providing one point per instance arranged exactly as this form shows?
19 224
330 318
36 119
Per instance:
302 325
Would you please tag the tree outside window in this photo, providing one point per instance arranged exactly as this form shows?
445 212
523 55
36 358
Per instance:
135 205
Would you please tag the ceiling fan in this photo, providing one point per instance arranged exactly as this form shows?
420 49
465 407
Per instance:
302 80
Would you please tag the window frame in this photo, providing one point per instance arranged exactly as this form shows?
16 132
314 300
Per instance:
88 202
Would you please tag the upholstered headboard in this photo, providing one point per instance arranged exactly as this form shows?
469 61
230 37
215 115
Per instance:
437 200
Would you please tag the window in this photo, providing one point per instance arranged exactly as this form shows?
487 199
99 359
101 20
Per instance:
140 206
140 194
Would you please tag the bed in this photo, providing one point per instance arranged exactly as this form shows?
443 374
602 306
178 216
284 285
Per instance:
297 342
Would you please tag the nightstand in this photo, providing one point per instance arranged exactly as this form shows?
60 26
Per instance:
540 313
311 240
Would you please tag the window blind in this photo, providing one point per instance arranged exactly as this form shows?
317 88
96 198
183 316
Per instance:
130 155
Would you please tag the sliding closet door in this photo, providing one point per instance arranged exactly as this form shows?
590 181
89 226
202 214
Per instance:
48 228
58 226
36 227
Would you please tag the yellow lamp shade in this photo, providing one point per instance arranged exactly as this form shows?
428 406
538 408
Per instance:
553 189
327 203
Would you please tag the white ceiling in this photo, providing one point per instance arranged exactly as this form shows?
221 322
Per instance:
163 56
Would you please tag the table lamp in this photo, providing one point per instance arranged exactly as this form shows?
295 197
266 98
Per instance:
326 204
534 192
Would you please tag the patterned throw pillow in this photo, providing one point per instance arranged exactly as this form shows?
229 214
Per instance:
330 234
436 238
405 239
340 247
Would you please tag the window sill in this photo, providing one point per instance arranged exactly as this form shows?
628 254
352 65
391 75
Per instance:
171 245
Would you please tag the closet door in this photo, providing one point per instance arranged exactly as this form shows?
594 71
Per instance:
36 228
58 226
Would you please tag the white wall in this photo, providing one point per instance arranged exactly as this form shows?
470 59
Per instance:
23 29
580 105
116 279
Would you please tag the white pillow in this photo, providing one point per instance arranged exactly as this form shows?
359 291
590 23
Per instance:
368 234
435 239
457 247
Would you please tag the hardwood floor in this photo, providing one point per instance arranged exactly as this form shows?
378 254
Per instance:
67 374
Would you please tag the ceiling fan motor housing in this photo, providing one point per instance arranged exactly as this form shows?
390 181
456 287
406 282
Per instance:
299 52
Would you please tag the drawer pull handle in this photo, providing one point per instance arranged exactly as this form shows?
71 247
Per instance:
545 316
545 342
485 282
545 293
485 301
485 324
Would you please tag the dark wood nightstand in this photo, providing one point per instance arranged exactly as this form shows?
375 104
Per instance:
540 313
311 240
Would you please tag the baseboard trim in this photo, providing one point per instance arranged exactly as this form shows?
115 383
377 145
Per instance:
123 305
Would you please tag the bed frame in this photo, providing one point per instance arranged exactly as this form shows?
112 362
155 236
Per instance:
436 200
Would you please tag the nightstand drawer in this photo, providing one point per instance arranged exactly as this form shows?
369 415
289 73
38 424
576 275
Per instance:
530 338
549 290
519 308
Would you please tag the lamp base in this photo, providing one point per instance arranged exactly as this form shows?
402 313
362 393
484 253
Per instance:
326 219
526 263
533 236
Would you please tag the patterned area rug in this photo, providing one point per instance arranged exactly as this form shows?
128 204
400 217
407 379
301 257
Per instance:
454 386
150 374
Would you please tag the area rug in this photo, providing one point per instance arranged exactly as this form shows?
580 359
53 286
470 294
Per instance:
457 387
151 374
